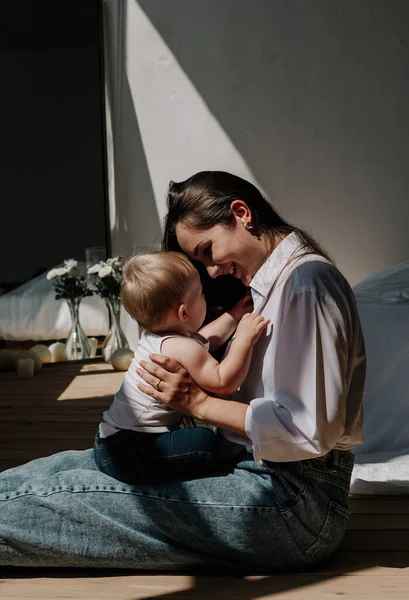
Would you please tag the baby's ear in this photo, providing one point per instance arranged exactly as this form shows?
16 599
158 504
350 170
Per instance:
182 312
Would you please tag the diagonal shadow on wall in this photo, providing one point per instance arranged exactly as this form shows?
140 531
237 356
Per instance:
313 96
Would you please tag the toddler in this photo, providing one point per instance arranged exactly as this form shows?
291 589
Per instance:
141 440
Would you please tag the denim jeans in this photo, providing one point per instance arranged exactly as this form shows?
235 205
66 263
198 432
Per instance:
61 511
135 457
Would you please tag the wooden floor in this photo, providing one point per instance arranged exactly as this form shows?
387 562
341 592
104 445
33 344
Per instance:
352 575
57 410
60 409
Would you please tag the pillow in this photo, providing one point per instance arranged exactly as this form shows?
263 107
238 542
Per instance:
389 285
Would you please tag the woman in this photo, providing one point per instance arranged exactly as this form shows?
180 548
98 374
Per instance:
284 504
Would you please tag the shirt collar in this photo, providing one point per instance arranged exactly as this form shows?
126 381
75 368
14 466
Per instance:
269 271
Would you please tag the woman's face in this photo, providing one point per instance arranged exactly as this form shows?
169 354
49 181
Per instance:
225 250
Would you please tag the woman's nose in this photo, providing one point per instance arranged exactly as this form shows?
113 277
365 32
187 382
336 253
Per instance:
213 271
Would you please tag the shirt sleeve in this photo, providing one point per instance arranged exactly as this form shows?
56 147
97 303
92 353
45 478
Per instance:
306 416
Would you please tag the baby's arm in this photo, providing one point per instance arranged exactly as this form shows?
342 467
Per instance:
224 377
222 328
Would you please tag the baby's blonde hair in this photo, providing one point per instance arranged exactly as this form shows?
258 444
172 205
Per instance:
153 284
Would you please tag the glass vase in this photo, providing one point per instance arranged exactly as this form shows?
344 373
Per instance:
77 346
116 337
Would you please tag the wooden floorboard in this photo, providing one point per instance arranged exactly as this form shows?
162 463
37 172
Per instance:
60 409
369 576
57 410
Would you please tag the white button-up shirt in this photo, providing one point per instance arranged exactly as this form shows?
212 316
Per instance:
306 379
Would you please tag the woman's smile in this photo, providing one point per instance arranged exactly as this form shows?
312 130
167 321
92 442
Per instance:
224 250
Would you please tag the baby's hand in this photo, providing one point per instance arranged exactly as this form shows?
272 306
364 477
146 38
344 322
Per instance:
251 327
242 307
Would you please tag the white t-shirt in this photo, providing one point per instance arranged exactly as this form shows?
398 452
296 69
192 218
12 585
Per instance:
131 408
306 379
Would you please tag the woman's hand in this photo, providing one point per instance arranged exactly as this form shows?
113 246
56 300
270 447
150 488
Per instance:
171 384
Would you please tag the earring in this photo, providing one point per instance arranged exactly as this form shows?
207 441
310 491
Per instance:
248 225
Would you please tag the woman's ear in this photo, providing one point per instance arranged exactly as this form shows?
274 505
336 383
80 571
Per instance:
182 312
240 210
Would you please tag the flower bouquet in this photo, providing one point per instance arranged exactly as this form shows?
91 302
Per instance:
107 284
70 285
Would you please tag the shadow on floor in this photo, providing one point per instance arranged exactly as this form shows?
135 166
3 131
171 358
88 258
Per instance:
219 584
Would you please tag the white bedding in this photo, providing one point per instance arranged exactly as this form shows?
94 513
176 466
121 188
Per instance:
387 474
31 312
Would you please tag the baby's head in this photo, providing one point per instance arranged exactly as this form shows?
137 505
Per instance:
163 292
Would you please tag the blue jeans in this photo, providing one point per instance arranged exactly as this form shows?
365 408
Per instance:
61 511
135 457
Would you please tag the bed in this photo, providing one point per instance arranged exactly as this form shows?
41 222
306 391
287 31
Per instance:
382 462
31 312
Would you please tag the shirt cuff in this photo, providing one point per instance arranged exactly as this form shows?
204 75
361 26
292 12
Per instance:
269 437
247 426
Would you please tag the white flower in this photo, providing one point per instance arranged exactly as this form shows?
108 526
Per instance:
116 261
71 267
70 264
57 273
95 269
106 270
51 274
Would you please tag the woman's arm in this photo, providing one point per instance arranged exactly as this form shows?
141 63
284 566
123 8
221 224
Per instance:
318 350
225 414
180 392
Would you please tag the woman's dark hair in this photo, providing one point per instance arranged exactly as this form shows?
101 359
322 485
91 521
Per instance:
203 201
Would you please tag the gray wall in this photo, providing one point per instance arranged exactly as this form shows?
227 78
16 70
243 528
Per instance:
308 98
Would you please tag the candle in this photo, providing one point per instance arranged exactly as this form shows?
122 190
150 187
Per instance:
25 368
58 352
93 342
